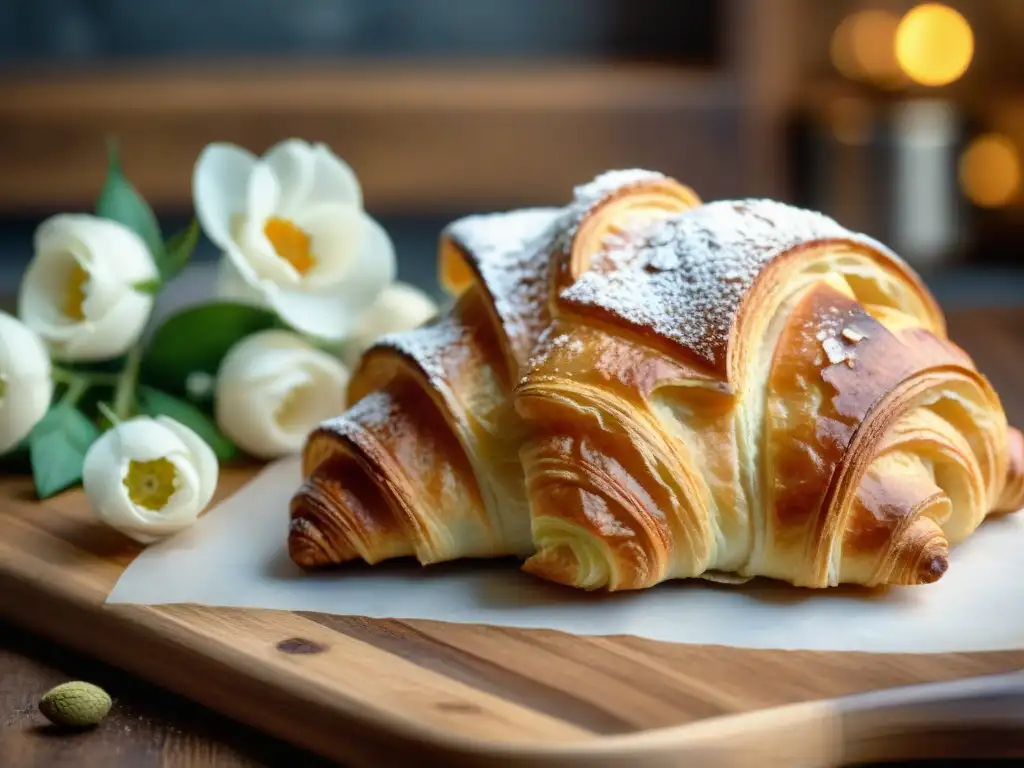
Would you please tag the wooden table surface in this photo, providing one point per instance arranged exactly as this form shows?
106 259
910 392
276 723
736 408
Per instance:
148 727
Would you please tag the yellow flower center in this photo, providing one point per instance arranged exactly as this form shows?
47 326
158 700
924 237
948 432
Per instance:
74 293
151 484
291 243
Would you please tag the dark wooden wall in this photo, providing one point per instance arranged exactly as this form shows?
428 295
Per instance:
423 138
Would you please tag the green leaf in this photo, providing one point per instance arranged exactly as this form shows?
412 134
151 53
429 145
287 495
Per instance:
57 447
149 286
121 202
196 339
153 402
179 250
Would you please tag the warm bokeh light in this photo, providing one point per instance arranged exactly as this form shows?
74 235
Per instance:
841 49
934 44
874 50
863 47
990 171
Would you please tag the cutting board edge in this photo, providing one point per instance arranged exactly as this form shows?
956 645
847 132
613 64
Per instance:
365 741
295 719
806 735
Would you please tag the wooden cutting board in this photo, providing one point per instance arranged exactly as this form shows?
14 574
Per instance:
377 693
369 692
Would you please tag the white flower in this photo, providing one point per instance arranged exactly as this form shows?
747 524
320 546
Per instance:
25 384
149 478
294 234
273 388
78 292
401 307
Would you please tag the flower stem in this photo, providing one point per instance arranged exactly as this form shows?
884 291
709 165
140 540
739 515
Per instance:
108 414
124 390
76 387
62 376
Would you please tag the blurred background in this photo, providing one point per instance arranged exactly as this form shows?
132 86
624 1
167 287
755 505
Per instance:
903 120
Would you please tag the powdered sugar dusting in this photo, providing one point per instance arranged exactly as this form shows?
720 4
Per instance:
551 342
429 345
491 237
512 254
575 346
373 410
685 276
586 196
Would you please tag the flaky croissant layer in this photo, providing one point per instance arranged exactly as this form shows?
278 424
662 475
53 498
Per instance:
641 387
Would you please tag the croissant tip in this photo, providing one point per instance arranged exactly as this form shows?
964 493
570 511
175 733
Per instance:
932 568
303 547
308 548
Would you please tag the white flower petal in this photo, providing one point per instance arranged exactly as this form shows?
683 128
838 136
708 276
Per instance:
23 405
203 459
254 253
320 316
103 290
292 162
104 488
185 503
220 184
375 265
252 427
26 388
400 307
319 396
334 313
335 181
103 481
112 246
138 439
273 388
263 196
231 286
337 233
311 187
22 352
114 313
109 336
143 439
41 293
257 260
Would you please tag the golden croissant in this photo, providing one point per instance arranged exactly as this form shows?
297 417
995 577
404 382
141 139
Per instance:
641 387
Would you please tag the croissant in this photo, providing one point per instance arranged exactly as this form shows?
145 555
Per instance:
641 387
426 460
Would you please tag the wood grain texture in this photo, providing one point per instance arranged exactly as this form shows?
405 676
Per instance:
434 138
148 727
370 692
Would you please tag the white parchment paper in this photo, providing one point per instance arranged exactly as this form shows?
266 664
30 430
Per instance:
235 556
